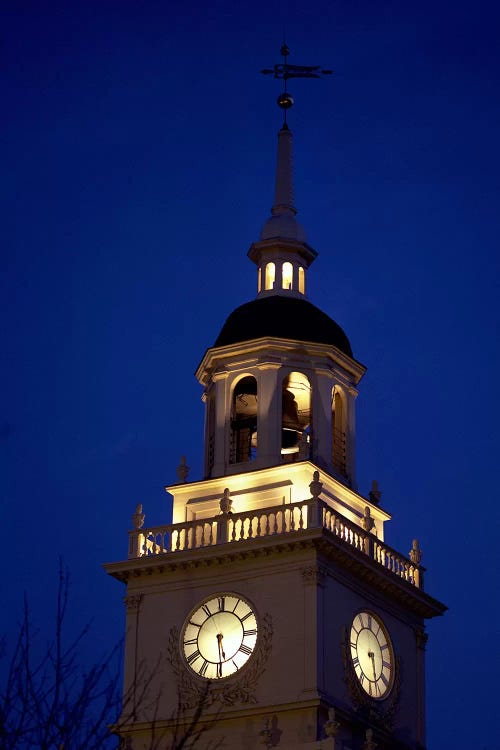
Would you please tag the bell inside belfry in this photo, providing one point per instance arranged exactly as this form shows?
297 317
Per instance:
290 426
296 414
244 421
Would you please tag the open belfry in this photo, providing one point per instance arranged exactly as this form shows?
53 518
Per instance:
271 612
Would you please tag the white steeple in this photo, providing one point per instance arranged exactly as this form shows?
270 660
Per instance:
282 222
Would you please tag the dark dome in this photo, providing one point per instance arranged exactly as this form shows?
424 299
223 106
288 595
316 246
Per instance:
285 318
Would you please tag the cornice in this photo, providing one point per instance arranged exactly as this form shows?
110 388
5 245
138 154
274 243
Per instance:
332 549
217 357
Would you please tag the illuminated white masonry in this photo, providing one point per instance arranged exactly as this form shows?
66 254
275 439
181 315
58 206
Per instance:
272 607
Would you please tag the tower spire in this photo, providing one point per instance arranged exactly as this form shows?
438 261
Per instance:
282 222
283 191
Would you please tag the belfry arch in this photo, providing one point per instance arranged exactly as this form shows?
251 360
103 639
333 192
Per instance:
339 431
243 438
296 416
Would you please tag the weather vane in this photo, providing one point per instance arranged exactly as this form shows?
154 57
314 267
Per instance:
285 71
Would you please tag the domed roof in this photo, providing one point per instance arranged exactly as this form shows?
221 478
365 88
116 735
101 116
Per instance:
282 317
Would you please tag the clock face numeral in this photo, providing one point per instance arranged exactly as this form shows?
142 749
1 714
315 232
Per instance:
203 669
371 654
193 656
220 636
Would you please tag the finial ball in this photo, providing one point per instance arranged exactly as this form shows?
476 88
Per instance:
285 101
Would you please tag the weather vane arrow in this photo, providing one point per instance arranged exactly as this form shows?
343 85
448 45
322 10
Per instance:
284 71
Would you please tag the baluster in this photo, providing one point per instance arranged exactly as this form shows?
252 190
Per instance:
242 528
233 535
275 522
267 524
301 517
258 525
292 519
178 543
250 529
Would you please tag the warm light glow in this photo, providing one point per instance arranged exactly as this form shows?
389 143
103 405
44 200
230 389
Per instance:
302 281
287 275
371 655
244 421
270 275
296 411
220 636
259 279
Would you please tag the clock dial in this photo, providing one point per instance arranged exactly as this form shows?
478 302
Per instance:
219 636
372 655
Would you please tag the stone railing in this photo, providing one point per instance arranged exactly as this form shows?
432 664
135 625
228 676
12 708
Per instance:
231 528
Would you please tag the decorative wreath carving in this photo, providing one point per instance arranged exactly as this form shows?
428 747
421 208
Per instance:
379 712
239 688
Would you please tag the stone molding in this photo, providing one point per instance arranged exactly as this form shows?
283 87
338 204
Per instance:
133 602
237 689
421 638
314 575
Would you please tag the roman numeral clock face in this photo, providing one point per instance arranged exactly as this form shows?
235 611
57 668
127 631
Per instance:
372 655
219 636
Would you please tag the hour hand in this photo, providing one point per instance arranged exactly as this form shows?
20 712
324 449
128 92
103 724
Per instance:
372 657
219 643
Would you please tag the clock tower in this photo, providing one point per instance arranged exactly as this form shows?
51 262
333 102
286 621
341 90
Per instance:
271 612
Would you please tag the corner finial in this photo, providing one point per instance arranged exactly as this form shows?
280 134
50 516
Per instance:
183 470
138 517
415 552
315 486
375 494
331 726
226 502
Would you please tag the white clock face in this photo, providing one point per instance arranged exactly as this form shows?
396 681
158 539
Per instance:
219 636
372 655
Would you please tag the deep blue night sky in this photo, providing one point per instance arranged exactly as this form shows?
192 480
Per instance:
138 154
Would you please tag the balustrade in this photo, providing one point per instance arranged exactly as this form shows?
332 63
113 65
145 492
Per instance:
230 528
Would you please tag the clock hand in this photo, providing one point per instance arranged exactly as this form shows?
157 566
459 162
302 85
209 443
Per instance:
219 643
222 655
372 657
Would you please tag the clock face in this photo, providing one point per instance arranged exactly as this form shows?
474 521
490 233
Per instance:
219 636
372 655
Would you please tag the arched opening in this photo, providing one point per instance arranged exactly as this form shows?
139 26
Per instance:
302 280
244 421
287 275
270 275
339 431
296 417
